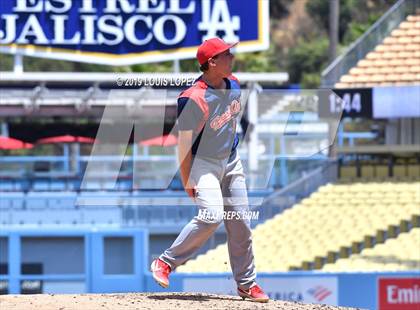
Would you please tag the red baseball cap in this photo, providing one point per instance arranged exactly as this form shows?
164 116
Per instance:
211 47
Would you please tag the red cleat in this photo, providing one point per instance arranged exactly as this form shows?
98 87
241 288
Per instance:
160 271
255 293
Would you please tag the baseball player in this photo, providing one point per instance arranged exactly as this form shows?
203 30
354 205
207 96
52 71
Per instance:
211 170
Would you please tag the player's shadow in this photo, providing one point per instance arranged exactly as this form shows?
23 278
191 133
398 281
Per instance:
196 297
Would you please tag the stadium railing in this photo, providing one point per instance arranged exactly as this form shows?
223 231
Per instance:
285 198
23 173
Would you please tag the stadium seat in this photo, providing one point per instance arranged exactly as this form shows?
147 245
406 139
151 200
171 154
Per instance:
10 202
399 171
64 200
392 63
399 33
348 172
373 55
100 216
338 218
413 18
143 214
396 254
64 217
413 171
364 63
357 71
367 171
36 201
129 215
359 79
381 62
382 171
41 185
342 85
6 185
58 185
390 55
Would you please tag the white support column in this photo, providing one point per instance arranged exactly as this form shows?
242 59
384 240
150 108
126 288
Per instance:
177 66
416 130
391 131
18 63
4 130
253 119
406 131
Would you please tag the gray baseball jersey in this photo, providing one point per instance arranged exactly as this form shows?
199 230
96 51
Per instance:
220 183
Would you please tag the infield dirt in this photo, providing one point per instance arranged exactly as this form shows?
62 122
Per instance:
150 301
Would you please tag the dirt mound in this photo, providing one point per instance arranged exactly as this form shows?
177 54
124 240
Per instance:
152 301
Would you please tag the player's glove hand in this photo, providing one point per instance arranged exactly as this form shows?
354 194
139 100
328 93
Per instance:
191 190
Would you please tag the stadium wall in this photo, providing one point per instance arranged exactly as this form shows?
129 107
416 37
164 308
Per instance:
367 290
104 272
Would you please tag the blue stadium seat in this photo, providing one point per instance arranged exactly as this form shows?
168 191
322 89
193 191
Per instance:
18 200
142 214
5 215
91 185
7 185
144 184
107 185
58 185
35 200
25 217
5 202
12 200
124 185
186 213
66 200
156 214
101 215
65 216
45 216
20 185
171 213
41 185
129 214
72 185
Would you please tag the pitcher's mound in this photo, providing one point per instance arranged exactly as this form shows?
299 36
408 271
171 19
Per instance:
151 301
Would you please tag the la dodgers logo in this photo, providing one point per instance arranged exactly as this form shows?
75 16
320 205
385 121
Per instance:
232 109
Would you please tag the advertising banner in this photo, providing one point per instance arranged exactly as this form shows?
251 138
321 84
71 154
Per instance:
122 32
399 293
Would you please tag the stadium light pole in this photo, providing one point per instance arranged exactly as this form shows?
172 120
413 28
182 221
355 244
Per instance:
333 28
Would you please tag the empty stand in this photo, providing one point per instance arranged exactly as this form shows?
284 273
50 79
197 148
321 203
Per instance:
394 62
400 253
333 222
